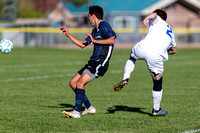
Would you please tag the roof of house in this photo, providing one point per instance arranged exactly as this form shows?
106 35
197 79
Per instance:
124 5
72 8
143 6
194 4
113 5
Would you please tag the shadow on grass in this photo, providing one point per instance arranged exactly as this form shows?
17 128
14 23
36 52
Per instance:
65 105
112 110
62 105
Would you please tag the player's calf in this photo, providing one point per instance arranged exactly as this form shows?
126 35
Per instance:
157 84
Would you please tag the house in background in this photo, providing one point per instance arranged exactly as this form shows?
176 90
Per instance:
181 13
183 17
130 13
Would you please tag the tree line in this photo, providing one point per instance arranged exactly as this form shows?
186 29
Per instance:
12 9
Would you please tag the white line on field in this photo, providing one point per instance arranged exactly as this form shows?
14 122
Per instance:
43 64
192 131
34 78
50 64
47 77
115 71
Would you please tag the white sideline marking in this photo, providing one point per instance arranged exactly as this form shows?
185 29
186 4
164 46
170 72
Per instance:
51 64
46 65
46 77
43 64
34 78
192 131
115 71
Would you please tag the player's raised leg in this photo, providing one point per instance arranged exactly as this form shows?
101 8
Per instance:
157 95
129 67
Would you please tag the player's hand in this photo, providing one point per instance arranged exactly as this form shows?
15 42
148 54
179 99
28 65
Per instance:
146 22
172 50
149 19
91 37
65 30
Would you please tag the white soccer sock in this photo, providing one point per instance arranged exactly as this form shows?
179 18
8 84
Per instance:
157 97
129 67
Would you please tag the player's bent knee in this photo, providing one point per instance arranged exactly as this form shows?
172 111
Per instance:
157 84
72 84
156 76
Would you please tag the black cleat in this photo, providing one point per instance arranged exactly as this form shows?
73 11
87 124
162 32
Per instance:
120 85
160 112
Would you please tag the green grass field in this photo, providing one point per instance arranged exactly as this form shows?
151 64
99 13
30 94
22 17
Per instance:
34 90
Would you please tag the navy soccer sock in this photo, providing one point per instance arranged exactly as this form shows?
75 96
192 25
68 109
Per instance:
85 100
79 99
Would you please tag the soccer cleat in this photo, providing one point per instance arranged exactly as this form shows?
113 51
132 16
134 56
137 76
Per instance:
72 114
90 110
120 85
160 112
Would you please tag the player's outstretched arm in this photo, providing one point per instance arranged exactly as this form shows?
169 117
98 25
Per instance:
72 38
150 17
110 40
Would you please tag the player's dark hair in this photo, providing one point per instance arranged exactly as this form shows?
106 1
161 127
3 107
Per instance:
97 11
161 13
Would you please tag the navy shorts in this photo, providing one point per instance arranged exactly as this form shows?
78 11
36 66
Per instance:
95 68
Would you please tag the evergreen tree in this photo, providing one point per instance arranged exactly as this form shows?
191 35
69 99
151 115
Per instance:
10 10
2 3
79 3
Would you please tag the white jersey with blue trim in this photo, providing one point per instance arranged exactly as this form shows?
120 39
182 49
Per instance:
159 38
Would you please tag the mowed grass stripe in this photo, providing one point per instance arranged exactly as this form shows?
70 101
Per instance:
35 103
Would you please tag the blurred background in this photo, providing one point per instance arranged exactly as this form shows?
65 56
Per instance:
34 23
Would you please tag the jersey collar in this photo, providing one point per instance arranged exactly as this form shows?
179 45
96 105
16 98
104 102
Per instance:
98 25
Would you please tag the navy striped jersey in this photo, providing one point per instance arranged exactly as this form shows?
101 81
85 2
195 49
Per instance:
102 52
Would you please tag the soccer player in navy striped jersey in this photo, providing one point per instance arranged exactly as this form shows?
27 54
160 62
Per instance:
103 39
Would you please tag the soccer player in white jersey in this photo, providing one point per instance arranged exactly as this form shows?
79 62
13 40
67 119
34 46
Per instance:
154 49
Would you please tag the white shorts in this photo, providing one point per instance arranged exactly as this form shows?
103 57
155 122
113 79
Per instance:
154 61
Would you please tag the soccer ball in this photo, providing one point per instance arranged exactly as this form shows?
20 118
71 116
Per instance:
6 46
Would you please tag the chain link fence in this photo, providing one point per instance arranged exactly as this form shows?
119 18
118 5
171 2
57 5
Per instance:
39 37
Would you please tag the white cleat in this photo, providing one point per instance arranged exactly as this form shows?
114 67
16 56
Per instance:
90 110
72 114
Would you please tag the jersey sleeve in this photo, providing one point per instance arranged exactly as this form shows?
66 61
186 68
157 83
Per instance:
88 40
107 30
